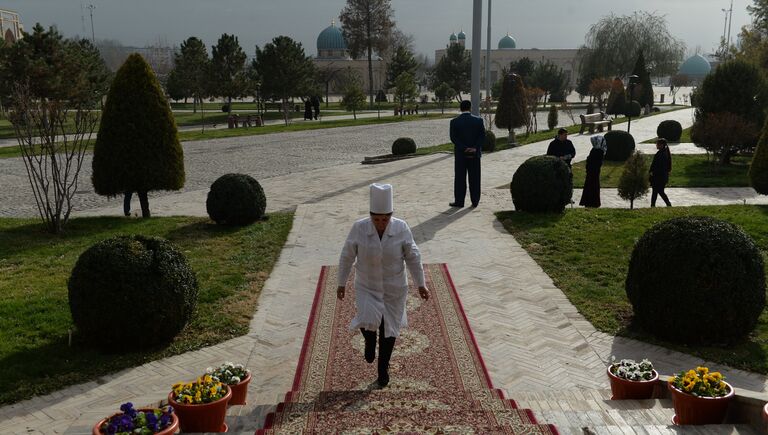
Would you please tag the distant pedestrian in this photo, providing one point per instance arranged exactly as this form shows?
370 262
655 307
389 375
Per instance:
307 110
562 147
659 173
143 201
316 106
590 196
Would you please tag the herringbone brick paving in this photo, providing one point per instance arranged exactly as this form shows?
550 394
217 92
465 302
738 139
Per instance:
531 337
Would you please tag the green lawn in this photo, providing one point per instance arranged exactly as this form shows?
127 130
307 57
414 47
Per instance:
688 170
586 253
231 264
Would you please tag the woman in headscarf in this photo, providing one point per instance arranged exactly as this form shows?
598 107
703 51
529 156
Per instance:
659 172
590 196
383 246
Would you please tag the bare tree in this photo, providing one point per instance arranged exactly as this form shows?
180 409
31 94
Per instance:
367 26
53 138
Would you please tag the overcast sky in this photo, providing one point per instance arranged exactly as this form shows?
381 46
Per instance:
533 23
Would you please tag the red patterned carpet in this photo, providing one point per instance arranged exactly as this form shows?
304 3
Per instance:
439 384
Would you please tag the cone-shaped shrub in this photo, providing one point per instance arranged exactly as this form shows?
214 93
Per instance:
137 148
758 170
696 280
489 144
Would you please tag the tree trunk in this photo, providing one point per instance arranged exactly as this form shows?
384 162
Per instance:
631 204
286 108
144 201
327 86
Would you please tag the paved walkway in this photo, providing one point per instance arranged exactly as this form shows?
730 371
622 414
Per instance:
531 337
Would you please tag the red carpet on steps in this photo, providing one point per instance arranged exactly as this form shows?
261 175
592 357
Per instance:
439 383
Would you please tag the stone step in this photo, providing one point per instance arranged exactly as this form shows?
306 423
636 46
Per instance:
647 429
419 418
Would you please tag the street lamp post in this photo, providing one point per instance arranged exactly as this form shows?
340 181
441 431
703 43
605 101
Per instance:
477 36
93 35
631 86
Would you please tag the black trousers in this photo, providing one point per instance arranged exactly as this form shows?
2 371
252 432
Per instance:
466 168
143 201
658 190
386 345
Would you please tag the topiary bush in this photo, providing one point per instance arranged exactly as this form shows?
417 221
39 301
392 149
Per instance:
489 145
542 184
236 199
633 109
758 170
621 145
696 280
131 292
670 130
403 145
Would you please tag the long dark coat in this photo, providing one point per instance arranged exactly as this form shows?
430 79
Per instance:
590 196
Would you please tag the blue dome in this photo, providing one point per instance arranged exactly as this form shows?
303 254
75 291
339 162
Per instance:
452 37
507 42
462 35
696 65
331 39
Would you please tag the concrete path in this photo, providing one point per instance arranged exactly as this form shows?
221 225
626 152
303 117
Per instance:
531 337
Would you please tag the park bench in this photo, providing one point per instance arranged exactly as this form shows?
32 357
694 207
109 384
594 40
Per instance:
594 120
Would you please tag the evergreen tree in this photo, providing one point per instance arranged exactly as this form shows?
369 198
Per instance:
736 87
617 99
633 183
548 77
353 98
552 117
228 69
285 70
758 170
643 90
512 110
455 69
524 67
175 86
443 94
405 88
137 149
402 62
193 70
367 27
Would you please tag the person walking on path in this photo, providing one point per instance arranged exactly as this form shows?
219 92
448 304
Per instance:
590 196
383 246
307 110
561 147
467 135
659 172
143 201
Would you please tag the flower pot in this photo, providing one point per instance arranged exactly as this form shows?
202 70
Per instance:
171 429
690 409
239 391
206 417
635 390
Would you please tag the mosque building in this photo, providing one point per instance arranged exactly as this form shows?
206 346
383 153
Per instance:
507 51
696 68
334 56
10 26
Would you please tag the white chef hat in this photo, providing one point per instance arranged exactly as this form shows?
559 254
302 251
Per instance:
381 198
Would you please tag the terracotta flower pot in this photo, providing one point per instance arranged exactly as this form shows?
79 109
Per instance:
239 391
171 429
690 409
206 417
626 389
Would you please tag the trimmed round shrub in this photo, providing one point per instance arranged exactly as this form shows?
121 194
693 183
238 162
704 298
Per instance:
696 280
236 199
621 145
670 130
225 108
131 292
403 145
489 145
542 184
633 109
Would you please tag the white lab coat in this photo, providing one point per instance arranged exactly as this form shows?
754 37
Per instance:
381 285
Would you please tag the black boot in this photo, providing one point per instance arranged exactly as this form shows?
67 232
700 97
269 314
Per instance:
386 345
370 345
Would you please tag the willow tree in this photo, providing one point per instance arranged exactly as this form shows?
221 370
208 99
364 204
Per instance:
612 44
367 26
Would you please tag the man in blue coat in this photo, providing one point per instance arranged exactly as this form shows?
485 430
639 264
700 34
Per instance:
467 135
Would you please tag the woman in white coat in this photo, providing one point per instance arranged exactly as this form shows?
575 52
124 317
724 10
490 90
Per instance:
382 246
